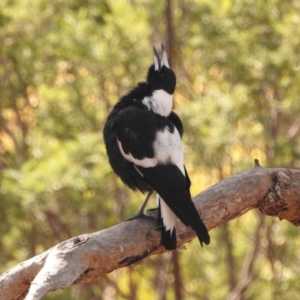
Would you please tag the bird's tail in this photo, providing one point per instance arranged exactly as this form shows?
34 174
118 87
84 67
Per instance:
166 219
199 227
187 213
172 187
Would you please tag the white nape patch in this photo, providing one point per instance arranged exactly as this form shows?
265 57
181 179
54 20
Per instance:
160 102
168 148
145 162
167 215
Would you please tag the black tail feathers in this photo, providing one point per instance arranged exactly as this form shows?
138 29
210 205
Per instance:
169 238
202 233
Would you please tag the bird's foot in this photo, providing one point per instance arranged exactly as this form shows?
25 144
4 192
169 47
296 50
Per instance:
139 215
152 209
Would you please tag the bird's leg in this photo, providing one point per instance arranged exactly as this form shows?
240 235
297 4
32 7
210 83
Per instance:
141 210
140 213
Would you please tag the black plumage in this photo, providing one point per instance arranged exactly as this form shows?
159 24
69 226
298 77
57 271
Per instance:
143 142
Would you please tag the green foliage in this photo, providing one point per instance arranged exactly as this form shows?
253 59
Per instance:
63 64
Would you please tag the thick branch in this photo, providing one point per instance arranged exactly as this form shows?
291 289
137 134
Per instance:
87 257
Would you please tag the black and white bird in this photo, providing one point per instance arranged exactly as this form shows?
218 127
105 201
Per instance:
143 142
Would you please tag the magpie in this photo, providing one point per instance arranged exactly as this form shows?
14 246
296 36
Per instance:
142 136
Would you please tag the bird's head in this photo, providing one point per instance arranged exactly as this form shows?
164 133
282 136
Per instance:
160 76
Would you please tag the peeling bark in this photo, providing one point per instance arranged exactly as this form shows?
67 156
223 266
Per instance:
283 198
275 192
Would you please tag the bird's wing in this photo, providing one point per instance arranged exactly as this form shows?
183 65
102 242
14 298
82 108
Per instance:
147 139
174 118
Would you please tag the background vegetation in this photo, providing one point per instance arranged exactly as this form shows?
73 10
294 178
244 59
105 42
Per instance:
64 63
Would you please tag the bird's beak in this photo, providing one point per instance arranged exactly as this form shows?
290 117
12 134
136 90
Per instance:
156 60
164 61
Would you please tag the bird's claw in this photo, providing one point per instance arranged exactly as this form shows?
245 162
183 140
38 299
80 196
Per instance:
152 209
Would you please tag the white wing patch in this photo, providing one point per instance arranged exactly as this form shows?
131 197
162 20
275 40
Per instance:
145 162
167 215
160 102
167 149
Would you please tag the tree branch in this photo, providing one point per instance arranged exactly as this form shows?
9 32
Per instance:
85 258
